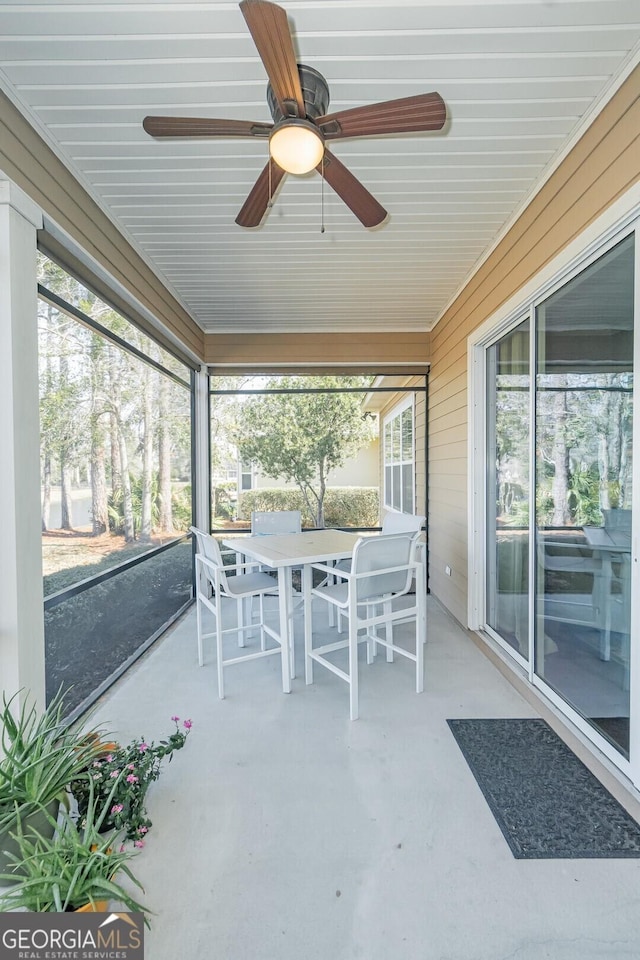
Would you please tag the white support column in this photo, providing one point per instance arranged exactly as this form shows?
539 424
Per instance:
202 478
21 596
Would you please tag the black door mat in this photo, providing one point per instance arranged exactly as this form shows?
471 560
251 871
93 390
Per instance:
546 802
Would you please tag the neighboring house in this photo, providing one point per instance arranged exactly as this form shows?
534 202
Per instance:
402 450
360 471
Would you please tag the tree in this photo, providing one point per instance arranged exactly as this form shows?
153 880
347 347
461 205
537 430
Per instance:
302 437
164 458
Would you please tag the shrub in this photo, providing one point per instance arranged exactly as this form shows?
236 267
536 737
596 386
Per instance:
343 506
181 508
222 500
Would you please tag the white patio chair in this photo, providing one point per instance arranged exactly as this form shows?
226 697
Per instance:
267 522
382 570
393 523
245 583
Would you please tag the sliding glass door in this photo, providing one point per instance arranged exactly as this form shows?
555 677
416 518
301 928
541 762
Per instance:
584 429
558 530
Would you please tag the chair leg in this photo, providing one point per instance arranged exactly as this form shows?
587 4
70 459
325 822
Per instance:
263 636
240 620
219 651
421 638
371 634
353 663
199 629
388 629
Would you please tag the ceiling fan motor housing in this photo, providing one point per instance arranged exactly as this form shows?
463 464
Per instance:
315 92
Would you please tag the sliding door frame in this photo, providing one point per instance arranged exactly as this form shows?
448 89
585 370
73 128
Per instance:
618 222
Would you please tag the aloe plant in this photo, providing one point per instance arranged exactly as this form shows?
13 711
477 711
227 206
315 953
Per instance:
77 866
39 754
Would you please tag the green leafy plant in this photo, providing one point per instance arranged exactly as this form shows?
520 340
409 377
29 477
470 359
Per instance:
120 778
40 756
343 506
75 867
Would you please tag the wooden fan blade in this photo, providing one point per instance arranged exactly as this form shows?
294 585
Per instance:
425 111
269 28
162 127
255 206
356 196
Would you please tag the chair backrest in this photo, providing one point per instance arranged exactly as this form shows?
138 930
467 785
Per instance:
402 523
208 547
617 520
267 522
379 554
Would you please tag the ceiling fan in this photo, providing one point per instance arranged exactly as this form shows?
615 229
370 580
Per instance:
298 98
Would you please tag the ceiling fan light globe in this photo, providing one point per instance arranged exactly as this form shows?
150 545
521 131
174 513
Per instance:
296 147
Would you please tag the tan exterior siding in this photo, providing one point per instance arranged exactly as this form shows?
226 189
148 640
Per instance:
29 162
601 167
271 349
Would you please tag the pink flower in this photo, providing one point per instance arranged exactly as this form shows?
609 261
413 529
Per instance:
97 776
142 747
142 829
132 779
175 719
188 724
117 808
114 774
138 843
109 758
96 763
131 766
122 848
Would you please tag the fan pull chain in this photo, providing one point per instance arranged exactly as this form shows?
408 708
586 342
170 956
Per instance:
322 196
270 201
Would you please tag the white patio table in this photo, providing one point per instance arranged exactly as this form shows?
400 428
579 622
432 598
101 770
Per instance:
283 553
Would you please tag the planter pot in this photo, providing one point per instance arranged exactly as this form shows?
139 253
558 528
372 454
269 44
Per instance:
37 821
100 906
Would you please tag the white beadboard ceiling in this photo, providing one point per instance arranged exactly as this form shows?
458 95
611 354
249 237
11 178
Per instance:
520 80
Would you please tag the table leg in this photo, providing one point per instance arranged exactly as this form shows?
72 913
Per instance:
284 583
421 631
308 622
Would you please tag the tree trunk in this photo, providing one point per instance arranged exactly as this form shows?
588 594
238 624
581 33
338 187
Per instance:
66 503
147 458
560 456
46 491
127 499
114 452
99 511
164 459
321 494
96 468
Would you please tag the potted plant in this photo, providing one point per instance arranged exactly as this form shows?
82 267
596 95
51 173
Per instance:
133 767
75 869
39 757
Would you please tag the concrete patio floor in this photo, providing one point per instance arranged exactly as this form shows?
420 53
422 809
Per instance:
283 831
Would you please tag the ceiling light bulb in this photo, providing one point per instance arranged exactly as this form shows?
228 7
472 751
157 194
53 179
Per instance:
296 146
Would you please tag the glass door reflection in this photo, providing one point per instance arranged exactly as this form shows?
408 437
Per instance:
584 421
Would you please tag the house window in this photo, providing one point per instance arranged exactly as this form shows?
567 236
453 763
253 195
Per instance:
399 459
246 476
